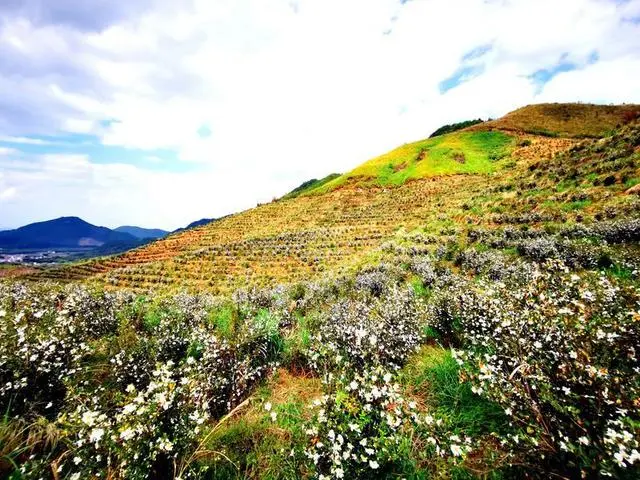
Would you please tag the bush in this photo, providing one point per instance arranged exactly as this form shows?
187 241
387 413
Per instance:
561 357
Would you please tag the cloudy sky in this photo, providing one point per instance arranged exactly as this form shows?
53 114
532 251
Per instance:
160 112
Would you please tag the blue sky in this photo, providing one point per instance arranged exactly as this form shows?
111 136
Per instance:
159 112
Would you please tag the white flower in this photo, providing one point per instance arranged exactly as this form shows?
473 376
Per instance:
339 473
75 476
267 406
166 445
373 464
89 418
274 416
96 435
456 450
127 434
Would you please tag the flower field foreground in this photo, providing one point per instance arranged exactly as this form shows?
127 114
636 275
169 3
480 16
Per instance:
508 353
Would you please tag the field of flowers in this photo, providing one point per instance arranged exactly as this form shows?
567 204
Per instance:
506 353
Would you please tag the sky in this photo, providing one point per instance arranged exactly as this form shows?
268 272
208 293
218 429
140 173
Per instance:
159 112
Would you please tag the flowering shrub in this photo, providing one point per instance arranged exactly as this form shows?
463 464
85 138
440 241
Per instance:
561 357
146 431
367 332
359 427
44 339
129 382
132 386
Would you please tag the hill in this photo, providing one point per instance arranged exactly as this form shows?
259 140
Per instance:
477 152
142 233
64 232
576 120
469 177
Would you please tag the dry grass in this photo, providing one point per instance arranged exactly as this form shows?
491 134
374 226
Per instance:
564 119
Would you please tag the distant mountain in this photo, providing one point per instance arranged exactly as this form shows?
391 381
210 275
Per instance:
64 232
197 223
141 233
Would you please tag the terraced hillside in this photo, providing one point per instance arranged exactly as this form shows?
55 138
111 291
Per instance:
486 175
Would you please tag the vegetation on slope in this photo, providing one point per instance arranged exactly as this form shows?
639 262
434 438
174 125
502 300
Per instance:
479 353
450 128
306 237
310 185
578 120
456 153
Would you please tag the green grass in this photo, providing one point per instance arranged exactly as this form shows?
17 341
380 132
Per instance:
433 374
457 153
252 445
577 205
224 319
632 182
310 185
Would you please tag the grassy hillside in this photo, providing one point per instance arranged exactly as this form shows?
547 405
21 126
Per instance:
455 153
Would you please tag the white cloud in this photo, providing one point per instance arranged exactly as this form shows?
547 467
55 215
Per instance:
609 81
288 93
5 151
8 193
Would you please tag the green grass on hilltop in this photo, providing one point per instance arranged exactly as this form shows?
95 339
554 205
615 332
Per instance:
310 185
457 153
